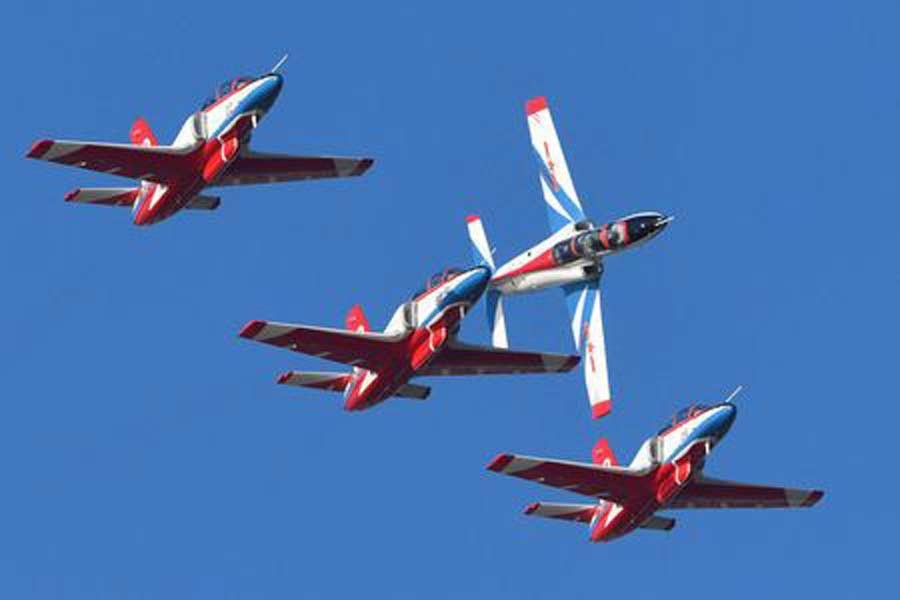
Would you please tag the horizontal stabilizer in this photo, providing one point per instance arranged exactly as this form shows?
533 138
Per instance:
320 380
658 523
338 382
201 202
256 167
413 391
104 196
457 358
582 513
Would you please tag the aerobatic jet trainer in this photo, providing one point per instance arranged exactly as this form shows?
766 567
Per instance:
211 149
420 340
666 473
571 258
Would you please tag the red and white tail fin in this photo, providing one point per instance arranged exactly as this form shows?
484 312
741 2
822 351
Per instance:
603 455
141 134
356 320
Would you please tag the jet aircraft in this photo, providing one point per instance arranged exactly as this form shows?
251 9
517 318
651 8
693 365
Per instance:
666 473
571 258
211 149
420 340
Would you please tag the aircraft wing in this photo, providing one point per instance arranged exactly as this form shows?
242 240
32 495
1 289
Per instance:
583 302
256 167
151 163
716 493
563 205
368 350
610 483
457 358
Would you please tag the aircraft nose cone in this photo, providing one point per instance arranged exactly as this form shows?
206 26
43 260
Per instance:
269 90
727 413
662 222
478 282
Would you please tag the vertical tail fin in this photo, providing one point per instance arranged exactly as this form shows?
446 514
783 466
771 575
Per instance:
356 319
603 455
481 252
141 133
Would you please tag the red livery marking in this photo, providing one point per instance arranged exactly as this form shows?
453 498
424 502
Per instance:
252 328
589 348
39 148
535 104
552 167
601 409
283 378
499 463
532 507
472 218
72 195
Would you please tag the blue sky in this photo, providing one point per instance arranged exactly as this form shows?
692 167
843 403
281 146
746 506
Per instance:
146 451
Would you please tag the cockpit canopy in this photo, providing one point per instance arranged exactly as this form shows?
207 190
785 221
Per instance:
226 87
683 415
437 279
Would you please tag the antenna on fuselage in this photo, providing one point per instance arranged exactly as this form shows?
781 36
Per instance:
279 64
736 391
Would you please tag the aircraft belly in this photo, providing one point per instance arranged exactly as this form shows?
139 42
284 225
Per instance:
540 280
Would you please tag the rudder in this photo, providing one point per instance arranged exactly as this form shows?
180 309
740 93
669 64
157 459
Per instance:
603 455
356 319
141 134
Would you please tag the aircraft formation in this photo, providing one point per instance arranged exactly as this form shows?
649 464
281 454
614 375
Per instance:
212 149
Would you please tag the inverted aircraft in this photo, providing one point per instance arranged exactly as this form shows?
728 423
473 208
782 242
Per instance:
666 473
571 258
211 149
420 340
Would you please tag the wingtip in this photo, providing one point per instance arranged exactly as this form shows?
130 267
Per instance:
601 409
363 166
251 329
531 508
39 148
71 195
472 218
283 378
813 498
499 463
535 104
